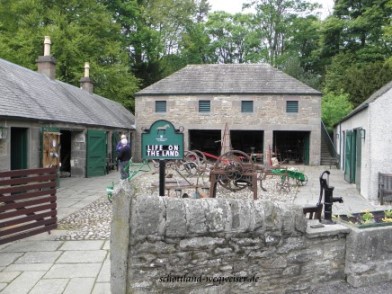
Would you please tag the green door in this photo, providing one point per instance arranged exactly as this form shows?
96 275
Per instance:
96 153
349 164
18 148
306 149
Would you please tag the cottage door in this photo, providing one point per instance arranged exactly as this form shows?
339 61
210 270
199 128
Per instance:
96 153
18 148
349 164
51 149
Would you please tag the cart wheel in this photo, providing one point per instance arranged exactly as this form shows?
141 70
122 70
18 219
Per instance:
284 184
189 164
202 166
304 182
233 164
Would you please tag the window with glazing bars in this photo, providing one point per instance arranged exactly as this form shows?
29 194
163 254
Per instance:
291 106
246 106
204 105
160 106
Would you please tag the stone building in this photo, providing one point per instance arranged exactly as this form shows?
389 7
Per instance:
45 122
363 142
254 108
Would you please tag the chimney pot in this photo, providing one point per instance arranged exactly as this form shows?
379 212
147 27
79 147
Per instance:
86 69
47 44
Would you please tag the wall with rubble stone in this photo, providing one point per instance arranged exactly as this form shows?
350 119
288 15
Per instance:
369 256
269 115
170 245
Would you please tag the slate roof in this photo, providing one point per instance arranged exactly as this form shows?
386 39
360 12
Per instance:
228 79
28 94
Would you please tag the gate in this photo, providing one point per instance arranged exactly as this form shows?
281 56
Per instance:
96 153
27 203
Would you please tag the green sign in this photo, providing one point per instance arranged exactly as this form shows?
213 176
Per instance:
162 141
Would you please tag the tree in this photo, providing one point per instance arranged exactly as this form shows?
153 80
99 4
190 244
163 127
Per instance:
334 108
233 37
80 31
196 45
357 46
292 66
153 32
273 18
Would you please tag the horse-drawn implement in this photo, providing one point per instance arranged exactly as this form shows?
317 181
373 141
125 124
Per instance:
234 170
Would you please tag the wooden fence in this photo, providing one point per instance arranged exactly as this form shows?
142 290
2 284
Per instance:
27 203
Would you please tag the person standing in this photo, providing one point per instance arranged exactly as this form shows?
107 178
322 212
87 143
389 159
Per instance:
123 156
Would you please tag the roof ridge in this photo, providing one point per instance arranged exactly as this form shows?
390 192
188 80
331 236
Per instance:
245 78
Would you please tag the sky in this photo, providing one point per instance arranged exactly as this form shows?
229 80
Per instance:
233 6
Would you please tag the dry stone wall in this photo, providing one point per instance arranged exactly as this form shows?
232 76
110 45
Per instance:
169 245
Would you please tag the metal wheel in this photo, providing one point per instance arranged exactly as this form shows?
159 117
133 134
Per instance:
233 165
189 164
304 182
202 167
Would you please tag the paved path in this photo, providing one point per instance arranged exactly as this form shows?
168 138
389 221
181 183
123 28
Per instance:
42 264
352 201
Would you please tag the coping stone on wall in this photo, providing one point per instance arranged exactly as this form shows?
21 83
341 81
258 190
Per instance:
178 218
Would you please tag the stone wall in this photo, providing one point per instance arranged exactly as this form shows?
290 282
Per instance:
269 115
369 256
169 245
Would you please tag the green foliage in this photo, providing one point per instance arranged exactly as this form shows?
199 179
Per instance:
196 45
367 217
134 43
388 213
356 44
292 66
234 38
80 31
333 108
274 19
356 76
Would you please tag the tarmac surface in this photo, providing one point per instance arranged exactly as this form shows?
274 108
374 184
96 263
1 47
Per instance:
64 263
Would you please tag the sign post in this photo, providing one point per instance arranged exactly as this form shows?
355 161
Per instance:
162 142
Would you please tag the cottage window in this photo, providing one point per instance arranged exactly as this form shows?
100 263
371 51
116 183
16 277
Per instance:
291 106
160 106
247 106
204 106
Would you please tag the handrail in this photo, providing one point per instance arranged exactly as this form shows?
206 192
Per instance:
328 140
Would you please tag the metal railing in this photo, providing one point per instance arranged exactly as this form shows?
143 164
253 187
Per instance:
326 139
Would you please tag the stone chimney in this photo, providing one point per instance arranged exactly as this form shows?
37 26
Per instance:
86 83
47 64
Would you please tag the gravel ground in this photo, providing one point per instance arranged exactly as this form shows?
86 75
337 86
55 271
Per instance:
90 223
93 221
